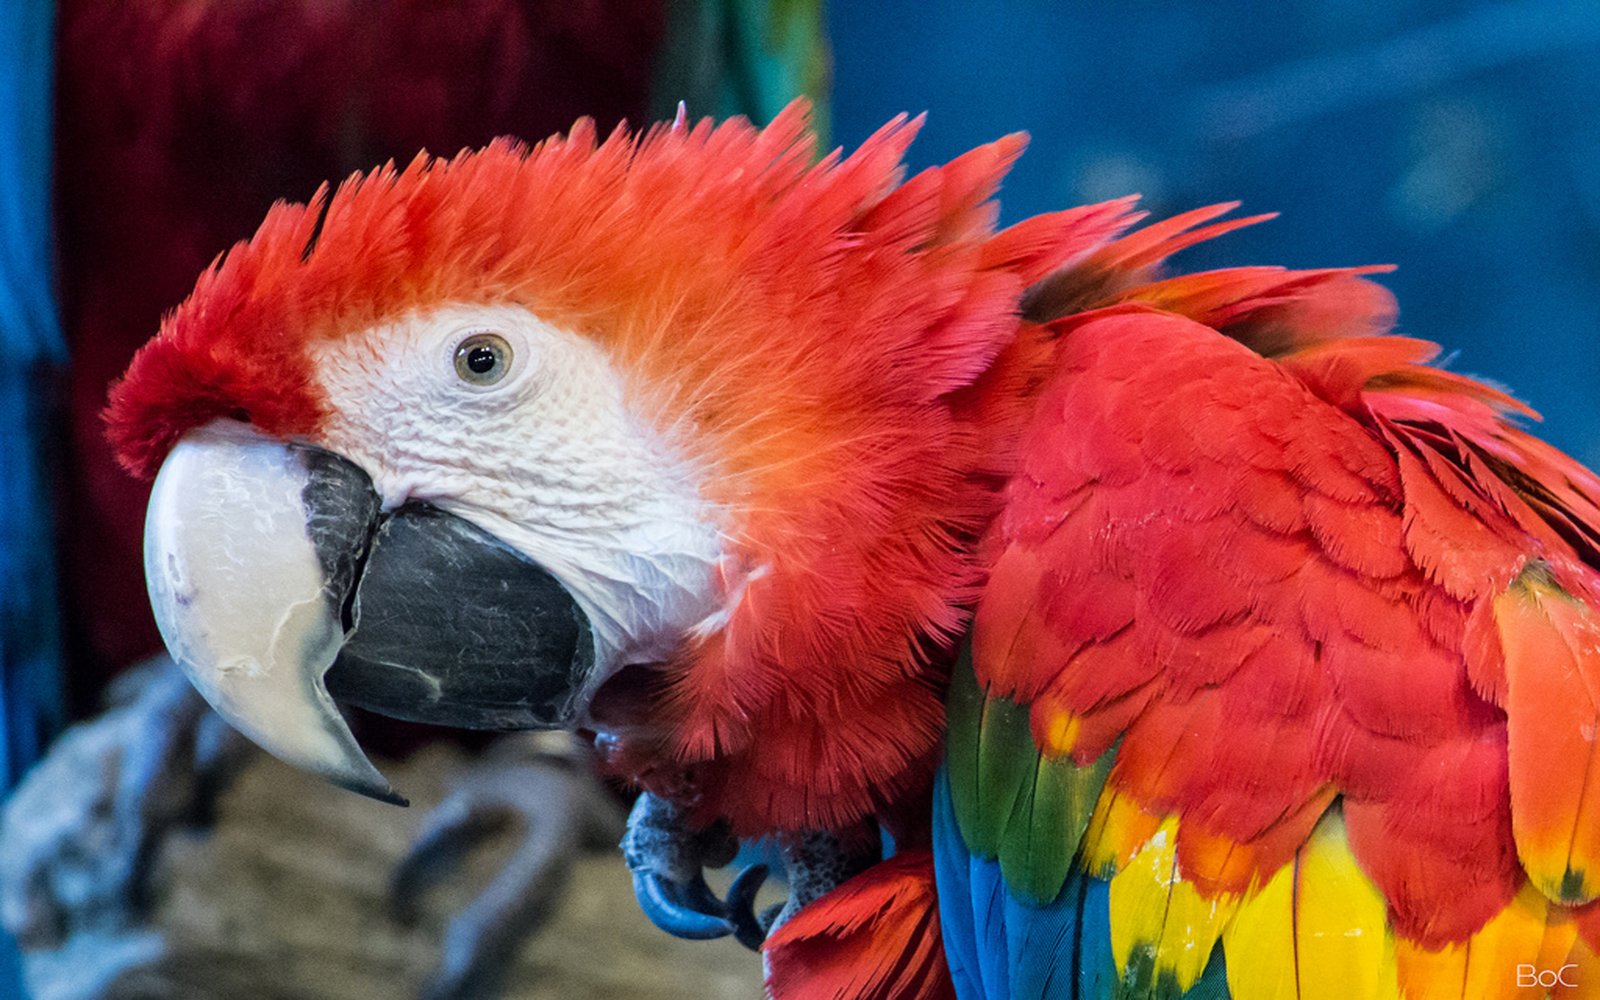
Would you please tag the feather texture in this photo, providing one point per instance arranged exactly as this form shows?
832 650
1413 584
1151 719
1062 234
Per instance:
1551 643
853 446
1316 929
874 938
1273 623
1005 947
1333 611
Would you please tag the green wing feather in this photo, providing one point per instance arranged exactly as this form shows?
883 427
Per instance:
1012 802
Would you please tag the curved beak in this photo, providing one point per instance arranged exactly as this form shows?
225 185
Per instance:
276 577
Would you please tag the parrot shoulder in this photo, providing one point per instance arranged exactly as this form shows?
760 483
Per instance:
1285 633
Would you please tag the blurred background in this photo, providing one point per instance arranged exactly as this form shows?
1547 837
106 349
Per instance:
1459 140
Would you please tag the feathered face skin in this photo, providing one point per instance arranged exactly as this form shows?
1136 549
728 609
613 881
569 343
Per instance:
744 431
408 555
608 505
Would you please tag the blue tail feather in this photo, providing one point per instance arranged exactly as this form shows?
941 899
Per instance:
1001 947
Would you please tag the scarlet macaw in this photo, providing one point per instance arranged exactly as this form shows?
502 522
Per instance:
1268 650
177 122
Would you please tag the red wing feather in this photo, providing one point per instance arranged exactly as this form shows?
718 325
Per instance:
874 938
1275 562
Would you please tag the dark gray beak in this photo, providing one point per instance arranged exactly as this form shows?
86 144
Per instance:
280 584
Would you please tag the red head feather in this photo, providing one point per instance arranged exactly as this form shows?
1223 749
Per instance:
813 332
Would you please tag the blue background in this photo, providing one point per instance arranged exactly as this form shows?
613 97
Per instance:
30 351
1460 141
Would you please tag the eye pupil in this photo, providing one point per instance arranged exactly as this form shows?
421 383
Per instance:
483 359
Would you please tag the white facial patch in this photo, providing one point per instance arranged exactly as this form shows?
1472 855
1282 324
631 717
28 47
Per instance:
550 459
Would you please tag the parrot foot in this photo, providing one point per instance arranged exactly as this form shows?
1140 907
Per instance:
540 781
669 863
669 860
818 863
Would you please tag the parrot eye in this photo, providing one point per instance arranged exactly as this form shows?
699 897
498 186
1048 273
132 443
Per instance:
483 359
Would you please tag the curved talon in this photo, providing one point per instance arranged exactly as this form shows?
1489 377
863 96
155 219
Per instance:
692 911
669 861
700 897
675 916
748 929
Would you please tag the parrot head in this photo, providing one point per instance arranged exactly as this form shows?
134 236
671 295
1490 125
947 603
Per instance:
660 436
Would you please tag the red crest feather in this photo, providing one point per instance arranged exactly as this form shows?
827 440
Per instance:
810 331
